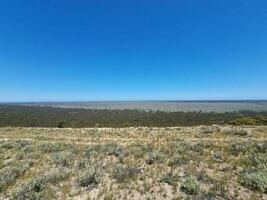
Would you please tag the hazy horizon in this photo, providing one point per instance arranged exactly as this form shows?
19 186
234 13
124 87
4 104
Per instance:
169 106
140 100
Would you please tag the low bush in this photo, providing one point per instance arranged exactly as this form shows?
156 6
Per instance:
170 179
237 148
155 157
32 190
139 150
209 129
49 148
122 173
57 175
259 160
235 131
198 148
92 150
9 174
64 159
89 178
190 185
13 144
37 188
180 147
177 160
203 177
114 150
220 189
255 179
218 156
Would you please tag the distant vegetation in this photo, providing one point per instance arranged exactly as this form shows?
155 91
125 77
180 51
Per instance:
33 116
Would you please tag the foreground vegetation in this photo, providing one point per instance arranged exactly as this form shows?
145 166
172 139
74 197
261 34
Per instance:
34 116
204 162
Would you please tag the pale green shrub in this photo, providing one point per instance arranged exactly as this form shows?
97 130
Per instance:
255 179
154 157
190 185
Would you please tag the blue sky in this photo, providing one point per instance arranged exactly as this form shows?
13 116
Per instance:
62 50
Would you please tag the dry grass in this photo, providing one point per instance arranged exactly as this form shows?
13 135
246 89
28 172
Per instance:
206 162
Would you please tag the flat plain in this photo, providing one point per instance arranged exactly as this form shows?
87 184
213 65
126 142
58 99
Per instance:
167 106
201 162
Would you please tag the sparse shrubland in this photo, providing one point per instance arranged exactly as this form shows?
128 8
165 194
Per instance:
207 162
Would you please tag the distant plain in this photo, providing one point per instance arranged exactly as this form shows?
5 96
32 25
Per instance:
169 106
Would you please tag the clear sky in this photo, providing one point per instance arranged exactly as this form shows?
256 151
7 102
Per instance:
60 50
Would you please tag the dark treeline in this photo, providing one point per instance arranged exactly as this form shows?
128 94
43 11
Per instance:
33 116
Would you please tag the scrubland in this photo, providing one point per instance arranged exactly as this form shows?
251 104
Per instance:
203 162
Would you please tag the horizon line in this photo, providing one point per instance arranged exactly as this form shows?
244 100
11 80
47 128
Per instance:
154 100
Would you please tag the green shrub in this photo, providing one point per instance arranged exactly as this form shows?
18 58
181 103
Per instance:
177 160
218 156
57 175
139 150
219 189
235 131
209 129
237 148
180 147
154 157
64 159
190 185
122 173
48 147
14 144
92 150
83 163
9 174
255 179
89 178
199 148
114 150
259 160
37 188
32 190
203 177
170 179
